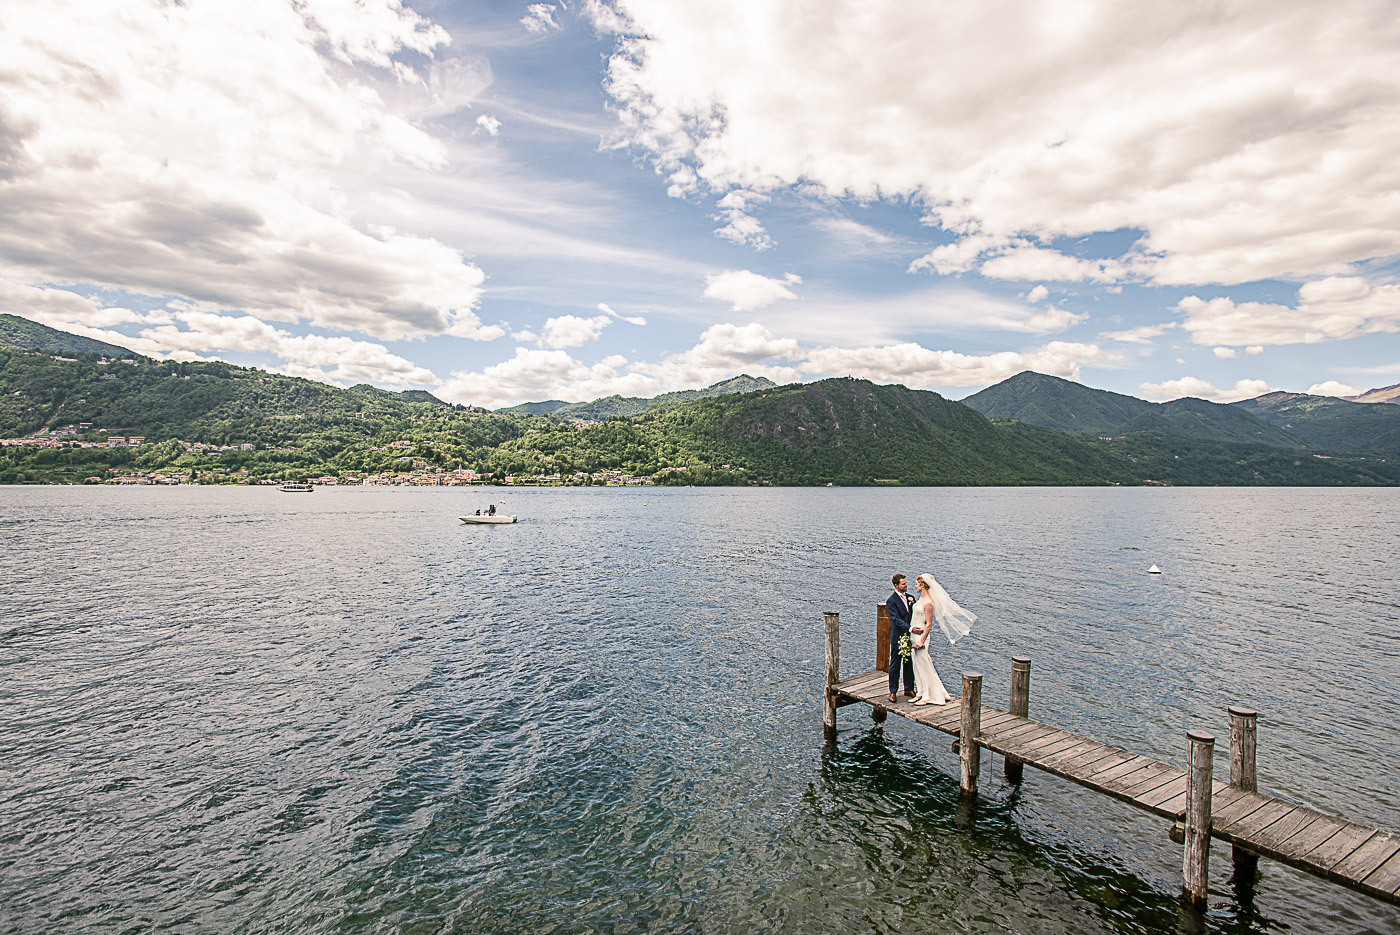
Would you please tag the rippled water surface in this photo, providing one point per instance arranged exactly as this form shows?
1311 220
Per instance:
235 709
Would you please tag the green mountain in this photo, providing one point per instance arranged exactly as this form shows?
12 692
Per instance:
25 335
1331 424
222 423
608 407
854 432
1066 406
1062 405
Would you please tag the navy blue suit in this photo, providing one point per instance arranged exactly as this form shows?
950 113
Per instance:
900 612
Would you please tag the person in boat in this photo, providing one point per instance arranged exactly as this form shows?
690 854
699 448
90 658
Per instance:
478 512
492 511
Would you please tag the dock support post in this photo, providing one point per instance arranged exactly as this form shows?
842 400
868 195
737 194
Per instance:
1020 706
832 619
1195 864
1243 731
882 637
969 731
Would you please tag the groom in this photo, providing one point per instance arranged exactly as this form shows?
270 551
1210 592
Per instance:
900 606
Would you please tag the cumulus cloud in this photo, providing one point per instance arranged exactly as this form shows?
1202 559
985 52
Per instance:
746 290
1333 388
212 137
1037 294
573 331
725 350
1194 386
534 374
1143 334
919 367
1335 308
1242 143
489 123
1230 353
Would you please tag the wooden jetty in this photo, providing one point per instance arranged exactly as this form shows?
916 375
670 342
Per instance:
1200 807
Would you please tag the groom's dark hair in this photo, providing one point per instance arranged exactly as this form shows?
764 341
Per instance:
896 580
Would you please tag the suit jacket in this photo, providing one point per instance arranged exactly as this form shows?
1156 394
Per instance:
900 613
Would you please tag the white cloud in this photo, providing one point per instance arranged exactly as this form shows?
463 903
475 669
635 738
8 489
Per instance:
1027 262
740 226
1247 142
1335 308
489 123
1229 353
539 18
745 290
1037 294
1194 386
573 331
205 150
543 374
919 367
524 335
1333 388
630 319
1143 334
725 350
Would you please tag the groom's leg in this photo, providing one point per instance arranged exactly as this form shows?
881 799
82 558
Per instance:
908 674
896 660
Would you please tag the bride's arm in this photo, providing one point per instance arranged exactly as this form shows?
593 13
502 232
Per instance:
927 627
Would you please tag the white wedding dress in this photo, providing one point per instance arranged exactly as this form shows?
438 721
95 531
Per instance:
926 680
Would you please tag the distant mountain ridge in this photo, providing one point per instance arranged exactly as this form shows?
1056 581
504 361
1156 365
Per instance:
1066 406
25 335
609 406
1332 424
1381 394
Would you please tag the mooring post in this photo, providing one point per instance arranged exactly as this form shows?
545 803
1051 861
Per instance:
832 619
969 731
1195 863
882 637
1020 705
1243 723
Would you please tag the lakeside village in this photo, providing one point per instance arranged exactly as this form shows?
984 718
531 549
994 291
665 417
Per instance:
415 472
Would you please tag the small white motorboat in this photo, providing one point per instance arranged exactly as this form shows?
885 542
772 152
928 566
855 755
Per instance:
296 488
487 519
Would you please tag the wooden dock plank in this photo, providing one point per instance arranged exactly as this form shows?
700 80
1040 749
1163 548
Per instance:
1170 790
1306 840
1243 829
1386 877
1336 848
1275 834
1071 752
1361 862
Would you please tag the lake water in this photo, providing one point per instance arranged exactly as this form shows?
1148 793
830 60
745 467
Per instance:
235 709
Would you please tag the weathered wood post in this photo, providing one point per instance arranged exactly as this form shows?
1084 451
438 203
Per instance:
1195 862
1243 724
882 637
832 619
1020 706
969 731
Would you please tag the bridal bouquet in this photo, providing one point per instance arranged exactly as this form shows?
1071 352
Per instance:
906 647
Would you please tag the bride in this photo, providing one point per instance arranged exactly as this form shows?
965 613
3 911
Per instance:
930 686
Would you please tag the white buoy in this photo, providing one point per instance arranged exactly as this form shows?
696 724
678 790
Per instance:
1154 570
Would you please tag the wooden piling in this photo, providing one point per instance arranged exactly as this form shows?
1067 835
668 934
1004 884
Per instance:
970 729
882 637
1243 732
832 620
1195 862
1020 706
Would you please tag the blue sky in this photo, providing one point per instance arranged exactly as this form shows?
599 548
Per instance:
512 201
